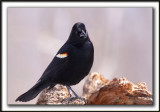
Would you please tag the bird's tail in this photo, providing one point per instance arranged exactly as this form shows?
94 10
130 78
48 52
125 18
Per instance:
33 92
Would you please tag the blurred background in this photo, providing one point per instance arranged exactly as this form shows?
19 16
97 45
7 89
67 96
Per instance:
122 39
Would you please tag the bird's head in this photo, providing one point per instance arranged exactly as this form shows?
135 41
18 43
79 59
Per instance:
78 34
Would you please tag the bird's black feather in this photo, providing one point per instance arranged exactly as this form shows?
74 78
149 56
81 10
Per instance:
70 65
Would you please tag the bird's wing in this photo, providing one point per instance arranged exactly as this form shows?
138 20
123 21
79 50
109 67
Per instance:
58 63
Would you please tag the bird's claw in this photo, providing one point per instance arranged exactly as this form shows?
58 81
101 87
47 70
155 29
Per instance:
74 98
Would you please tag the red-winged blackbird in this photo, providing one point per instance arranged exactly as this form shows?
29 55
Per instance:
70 65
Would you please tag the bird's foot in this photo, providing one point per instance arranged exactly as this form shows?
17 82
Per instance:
70 99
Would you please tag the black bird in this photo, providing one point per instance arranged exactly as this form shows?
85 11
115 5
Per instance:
70 65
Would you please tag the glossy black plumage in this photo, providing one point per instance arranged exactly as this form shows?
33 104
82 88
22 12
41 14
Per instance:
70 65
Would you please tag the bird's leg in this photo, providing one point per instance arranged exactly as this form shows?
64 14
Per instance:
70 95
69 91
76 96
69 88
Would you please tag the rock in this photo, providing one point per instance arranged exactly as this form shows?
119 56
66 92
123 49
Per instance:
121 91
55 95
99 91
94 82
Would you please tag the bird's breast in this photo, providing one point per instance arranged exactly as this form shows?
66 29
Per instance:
82 54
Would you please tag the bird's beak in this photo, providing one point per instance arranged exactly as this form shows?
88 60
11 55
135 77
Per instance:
83 34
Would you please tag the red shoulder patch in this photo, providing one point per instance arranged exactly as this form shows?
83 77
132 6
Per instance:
63 55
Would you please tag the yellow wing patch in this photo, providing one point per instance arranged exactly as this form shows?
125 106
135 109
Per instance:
63 55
